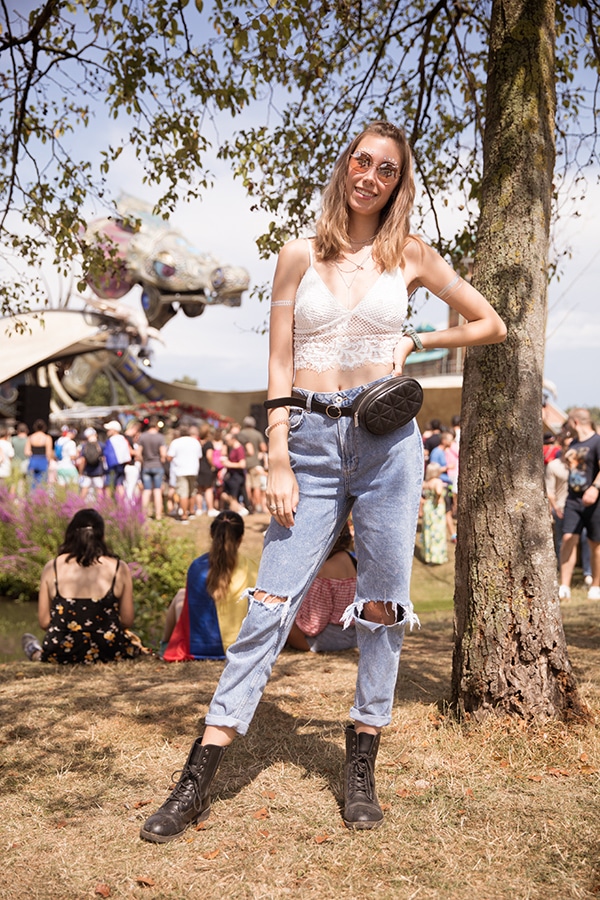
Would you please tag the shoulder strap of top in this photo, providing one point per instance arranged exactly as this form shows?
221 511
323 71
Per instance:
310 251
112 587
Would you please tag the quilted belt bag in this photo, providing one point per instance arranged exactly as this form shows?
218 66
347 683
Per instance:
382 408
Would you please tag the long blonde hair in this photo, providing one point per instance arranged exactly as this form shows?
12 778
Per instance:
393 229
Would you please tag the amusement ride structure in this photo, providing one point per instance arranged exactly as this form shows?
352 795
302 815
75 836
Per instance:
62 351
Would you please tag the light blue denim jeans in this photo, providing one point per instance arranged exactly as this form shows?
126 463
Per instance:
340 468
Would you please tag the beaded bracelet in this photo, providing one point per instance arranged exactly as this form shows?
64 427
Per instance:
270 428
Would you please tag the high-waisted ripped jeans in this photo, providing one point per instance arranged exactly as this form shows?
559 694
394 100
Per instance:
340 468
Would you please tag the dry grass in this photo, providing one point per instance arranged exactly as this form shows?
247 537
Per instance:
490 812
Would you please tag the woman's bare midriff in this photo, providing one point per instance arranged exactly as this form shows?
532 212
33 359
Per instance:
339 380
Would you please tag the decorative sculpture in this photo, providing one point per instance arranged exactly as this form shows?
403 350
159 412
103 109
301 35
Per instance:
147 251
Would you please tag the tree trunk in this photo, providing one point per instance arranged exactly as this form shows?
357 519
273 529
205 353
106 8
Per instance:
510 653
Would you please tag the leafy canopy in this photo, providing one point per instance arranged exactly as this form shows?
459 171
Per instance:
296 78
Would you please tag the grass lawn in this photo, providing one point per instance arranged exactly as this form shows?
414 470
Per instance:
495 811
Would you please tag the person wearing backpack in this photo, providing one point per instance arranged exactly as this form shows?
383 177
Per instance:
91 464
117 455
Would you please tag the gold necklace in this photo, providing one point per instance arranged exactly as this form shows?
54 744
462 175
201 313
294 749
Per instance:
358 267
362 243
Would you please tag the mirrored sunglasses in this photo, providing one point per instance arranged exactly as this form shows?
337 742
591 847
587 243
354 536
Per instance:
360 161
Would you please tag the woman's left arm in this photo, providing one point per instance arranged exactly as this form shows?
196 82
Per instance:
125 585
482 325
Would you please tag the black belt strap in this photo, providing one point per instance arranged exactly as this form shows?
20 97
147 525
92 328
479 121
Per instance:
330 409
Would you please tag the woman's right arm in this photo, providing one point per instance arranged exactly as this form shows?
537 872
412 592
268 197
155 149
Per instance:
125 587
282 488
27 447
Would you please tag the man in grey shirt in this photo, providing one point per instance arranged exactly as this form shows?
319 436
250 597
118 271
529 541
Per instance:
154 456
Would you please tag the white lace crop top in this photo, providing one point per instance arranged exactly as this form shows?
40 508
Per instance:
327 335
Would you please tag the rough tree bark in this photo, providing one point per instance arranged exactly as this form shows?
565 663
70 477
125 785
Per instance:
510 653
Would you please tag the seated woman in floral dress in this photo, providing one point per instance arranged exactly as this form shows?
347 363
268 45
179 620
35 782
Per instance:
85 602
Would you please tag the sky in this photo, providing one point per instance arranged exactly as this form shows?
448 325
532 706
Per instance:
227 348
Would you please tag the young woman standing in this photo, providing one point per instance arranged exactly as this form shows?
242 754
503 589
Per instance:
338 313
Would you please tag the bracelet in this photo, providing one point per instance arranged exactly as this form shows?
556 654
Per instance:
412 334
270 428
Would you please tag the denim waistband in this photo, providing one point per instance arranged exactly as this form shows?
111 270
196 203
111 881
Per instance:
336 398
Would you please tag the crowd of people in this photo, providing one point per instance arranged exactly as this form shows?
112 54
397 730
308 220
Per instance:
572 466
183 470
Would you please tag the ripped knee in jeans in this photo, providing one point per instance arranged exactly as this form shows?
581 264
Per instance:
381 612
268 599
272 601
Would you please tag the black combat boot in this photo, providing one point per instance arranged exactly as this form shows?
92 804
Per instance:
361 807
189 802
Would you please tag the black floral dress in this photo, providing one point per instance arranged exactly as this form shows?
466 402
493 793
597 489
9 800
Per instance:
88 630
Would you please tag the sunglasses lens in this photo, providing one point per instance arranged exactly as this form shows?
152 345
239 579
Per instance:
362 162
386 172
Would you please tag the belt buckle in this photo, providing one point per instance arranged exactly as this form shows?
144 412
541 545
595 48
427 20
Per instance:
333 412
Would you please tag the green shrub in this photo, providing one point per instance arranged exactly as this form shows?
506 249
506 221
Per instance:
160 569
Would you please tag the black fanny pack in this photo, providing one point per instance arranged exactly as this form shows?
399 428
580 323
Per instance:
382 408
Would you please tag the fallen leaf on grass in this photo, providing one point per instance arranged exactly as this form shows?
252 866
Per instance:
212 854
141 803
145 881
270 795
534 777
385 806
403 792
200 826
583 757
588 770
552 770
321 838
102 889
262 813
264 833
469 792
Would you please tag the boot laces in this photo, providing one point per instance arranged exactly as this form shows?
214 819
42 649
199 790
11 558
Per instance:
187 783
361 778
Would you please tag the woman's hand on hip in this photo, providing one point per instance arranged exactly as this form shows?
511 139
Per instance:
402 351
282 493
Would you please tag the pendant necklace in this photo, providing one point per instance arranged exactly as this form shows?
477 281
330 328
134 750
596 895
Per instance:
358 267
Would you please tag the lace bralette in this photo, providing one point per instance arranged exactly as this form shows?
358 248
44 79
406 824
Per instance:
327 335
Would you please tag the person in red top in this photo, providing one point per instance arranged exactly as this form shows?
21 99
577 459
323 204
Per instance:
235 479
551 447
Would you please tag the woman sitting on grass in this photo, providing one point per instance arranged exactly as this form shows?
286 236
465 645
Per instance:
318 626
204 619
85 603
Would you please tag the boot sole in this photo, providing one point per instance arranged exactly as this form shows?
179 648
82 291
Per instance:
362 826
165 838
